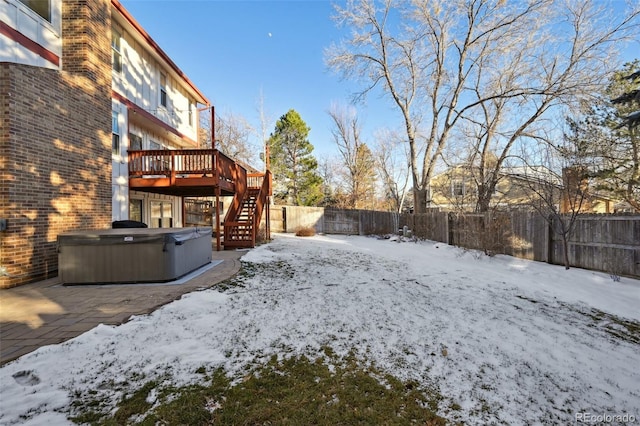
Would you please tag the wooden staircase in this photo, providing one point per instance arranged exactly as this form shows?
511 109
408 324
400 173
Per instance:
242 222
205 173
238 232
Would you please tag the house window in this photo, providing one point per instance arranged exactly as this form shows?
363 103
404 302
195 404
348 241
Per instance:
41 7
190 113
115 133
116 56
161 214
163 90
457 188
159 162
135 142
135 210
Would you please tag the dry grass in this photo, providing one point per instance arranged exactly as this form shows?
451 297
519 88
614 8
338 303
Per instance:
305 231
288 391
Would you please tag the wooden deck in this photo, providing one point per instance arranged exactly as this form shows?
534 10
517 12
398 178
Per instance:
184 172
207 173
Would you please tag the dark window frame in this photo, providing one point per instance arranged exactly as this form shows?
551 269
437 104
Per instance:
135 142
163 89
40 7
115 133
116 53
458 188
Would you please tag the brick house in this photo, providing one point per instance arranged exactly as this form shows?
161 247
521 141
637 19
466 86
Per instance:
81 85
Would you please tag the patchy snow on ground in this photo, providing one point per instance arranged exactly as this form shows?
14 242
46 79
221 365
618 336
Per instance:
504 340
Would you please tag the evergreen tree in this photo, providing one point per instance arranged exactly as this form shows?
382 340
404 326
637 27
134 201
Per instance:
607 135
294 168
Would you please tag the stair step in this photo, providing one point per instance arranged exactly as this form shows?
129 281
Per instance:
239 232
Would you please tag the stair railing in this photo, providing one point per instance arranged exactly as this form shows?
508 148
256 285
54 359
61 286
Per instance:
230 221
261 201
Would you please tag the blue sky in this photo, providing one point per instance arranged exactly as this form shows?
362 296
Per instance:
234 50
224 47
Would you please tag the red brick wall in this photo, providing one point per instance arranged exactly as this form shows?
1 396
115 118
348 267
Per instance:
55 145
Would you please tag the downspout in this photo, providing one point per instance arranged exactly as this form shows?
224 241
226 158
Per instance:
213 127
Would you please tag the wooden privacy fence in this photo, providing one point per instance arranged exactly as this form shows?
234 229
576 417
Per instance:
600 242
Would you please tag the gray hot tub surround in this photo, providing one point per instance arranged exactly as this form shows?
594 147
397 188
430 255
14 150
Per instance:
132 255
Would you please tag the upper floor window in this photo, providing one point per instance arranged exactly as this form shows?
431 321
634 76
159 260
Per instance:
41 7
163 89
116 55
191 112
457 188
115 133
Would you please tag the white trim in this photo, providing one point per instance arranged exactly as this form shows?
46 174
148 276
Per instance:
47 34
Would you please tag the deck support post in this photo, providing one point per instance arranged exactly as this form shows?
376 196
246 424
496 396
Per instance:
218 245
184 212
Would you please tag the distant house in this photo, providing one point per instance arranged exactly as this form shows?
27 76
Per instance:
517 188
98 125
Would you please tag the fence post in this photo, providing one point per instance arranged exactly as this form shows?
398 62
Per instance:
284 219
450 228
550 239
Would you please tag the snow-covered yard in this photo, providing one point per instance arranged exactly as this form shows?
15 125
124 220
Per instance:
504 340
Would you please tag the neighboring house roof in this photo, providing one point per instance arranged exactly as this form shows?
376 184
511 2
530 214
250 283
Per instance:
532 174
141 35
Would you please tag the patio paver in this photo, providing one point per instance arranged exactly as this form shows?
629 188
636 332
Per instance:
46 312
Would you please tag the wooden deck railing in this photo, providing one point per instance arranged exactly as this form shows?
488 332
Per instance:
256 181
227 168
184 163
164 162
189 169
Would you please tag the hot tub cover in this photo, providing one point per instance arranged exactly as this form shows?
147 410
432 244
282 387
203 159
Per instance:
132 236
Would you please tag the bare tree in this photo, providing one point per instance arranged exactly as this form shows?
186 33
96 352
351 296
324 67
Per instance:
232 134
357 159
205 127
547 72
423 64
556 187
392 162
332 193
265 122
439 61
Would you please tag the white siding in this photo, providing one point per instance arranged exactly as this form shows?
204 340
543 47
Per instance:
31 25
140 83
120 172
120 177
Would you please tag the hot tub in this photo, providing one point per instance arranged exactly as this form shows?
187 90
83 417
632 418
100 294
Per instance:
132 255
